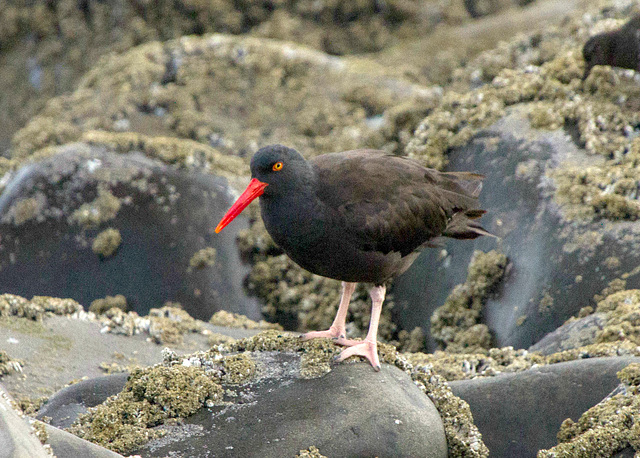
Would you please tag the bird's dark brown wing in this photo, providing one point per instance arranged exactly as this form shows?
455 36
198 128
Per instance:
389 203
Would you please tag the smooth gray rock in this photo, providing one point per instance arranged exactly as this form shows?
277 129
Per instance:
62 349
17 439
571 335
351 411
166 216
519 414
67 445
65 406
556 266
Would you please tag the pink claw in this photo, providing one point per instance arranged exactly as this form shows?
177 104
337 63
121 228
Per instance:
366 349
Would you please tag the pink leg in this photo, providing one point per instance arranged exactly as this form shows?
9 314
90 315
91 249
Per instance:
337 331
368 348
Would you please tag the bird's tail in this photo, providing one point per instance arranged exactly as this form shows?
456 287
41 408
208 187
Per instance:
462 225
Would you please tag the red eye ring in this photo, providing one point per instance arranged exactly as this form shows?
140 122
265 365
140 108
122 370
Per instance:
277 167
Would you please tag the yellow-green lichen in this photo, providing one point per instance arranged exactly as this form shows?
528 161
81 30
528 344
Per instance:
178 151
103 208
168 325
25 210
238 369
606 428
461 366
8 365
203 258
107 242
100 306
37 307
455 325
150 397
234 320
311 452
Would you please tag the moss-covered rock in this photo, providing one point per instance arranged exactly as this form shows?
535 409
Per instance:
233 320
232 93
37 307
150 397
606 428
456 325
100 306
542 74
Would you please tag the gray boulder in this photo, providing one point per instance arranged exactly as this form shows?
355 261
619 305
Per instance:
64 444
17 439
573 334
65 406
53 217
351 411
519 414
556 265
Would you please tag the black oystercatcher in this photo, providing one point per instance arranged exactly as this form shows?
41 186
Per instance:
357 216
619 48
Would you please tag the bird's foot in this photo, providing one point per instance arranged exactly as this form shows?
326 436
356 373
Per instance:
335 334
366 349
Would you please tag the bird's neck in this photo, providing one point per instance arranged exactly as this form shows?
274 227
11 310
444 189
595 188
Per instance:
289 217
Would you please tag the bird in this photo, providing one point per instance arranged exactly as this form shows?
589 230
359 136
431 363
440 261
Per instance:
618 48
358 216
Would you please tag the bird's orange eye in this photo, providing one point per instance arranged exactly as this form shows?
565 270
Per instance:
277 166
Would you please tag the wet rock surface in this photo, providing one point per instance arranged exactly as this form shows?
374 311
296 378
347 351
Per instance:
65 406
519 414
63 443
53 211
62 349
556 267
17 438
272 416
350 411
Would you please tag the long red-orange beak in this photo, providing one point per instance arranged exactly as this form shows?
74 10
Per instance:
255 189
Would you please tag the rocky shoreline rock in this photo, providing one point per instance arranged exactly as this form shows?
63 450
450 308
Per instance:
109 193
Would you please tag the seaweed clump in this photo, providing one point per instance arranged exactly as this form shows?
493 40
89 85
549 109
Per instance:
164 325
462 366
455 325
606 428
103 208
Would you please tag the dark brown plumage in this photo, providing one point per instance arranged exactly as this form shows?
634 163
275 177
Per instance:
358 216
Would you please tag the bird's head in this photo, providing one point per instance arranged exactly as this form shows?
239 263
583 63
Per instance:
275 170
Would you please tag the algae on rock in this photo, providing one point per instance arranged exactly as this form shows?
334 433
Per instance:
107 242
543 73
455 325
606 428
233 320
232 93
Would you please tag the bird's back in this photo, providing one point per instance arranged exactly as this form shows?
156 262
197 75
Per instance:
389 203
